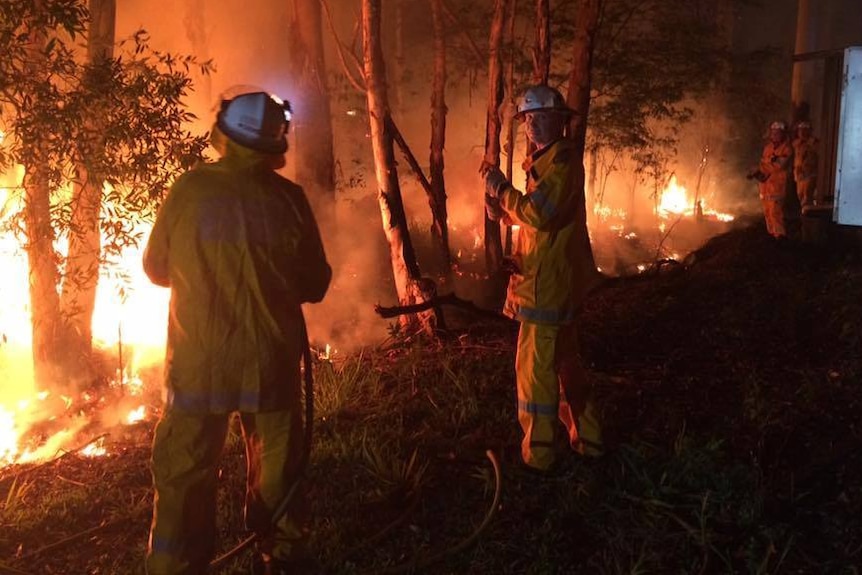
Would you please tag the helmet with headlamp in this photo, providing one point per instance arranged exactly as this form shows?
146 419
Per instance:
256 120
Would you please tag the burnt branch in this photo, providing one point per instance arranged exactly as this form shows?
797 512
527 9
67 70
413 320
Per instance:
436 303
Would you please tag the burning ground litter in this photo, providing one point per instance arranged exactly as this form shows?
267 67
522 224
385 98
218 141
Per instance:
729 388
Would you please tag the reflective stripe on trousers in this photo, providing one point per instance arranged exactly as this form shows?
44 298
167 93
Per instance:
186 451
548 361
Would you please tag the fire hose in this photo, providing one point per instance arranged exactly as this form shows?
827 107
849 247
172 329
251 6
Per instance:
407 567
281 509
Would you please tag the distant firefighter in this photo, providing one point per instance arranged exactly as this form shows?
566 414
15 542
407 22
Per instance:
773 174
805 161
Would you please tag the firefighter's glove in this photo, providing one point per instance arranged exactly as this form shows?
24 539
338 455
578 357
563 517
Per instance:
495 182
492 208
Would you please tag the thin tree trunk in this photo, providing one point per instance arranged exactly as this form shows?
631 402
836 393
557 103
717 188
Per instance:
493 242
541 51
81 277
542 54
511 132
42 261
592 193
587 21
403 258
440 226
400 62
315 164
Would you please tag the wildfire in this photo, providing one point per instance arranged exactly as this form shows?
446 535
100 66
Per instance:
676 201
129 319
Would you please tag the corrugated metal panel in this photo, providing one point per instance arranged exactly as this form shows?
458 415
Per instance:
848 172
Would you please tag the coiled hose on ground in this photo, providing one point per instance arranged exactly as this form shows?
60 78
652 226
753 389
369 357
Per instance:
410 566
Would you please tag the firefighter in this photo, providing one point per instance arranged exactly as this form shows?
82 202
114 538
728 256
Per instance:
239 248
805 160
773 175
554 269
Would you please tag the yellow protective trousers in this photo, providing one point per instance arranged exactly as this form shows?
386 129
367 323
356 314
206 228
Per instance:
805 189
773 213
552 388
186 450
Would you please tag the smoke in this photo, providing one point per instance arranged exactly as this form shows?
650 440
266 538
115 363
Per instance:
248 44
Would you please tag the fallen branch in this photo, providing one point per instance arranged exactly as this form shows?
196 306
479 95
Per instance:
4 569
435 303
65 541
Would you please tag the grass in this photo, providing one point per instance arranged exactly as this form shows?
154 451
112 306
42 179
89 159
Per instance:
731 451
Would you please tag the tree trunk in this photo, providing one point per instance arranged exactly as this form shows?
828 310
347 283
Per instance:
400 65
542 54
592 193
587 20
440 226
493 242
42 261
404 266
315 164
80 280
511 131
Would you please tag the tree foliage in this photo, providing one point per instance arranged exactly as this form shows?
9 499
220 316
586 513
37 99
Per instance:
140 141
652 59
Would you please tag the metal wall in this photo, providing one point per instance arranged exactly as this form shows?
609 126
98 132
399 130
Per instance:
825 29
848 169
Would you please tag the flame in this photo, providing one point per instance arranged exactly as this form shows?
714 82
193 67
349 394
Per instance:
136 415
130 317
676 201
94 449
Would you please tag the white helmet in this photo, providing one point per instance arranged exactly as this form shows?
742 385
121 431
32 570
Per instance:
256 120
542 97
778 126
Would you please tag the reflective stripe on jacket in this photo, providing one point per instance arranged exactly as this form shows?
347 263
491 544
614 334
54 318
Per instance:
239 247
552 252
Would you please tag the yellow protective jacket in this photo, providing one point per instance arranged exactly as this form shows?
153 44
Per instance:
776 163
240 249
552 252
805 158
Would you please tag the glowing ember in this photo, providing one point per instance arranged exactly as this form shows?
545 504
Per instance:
137 415
95 449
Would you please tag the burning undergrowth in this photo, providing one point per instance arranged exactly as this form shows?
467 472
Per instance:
728 389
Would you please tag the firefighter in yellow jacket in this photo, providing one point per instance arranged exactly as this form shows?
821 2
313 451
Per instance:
774 176
239 248
555 270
